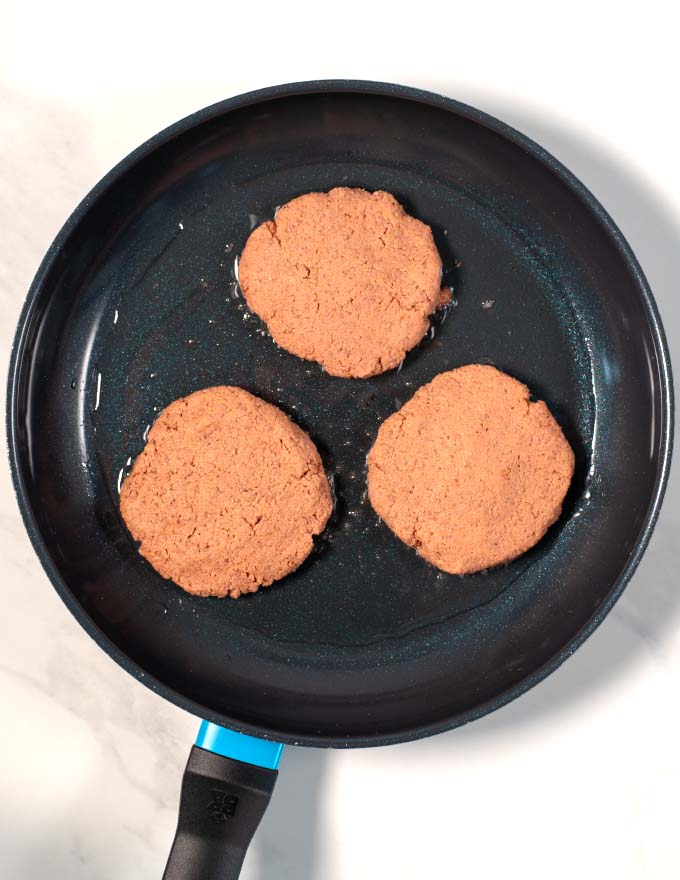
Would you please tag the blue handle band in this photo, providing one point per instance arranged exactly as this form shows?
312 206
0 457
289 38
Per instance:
239 746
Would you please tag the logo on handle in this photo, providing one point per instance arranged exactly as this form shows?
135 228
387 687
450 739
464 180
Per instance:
222 806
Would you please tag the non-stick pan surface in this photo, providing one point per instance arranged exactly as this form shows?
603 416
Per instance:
134 306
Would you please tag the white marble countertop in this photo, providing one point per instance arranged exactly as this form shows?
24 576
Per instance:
579 777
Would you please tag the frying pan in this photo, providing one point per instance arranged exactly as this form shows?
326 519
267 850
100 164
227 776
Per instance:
136 305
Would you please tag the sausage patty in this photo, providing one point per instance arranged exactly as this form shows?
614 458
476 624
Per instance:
470 471
346 278
227 493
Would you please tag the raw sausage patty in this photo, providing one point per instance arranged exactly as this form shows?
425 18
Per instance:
470 471
345 278
227 493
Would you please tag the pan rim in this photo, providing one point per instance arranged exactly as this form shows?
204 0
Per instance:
329 87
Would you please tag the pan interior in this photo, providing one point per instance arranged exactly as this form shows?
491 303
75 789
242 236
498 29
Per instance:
140 307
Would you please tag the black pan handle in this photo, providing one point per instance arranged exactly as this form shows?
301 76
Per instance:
221 805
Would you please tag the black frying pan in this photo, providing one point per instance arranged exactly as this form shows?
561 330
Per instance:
132 308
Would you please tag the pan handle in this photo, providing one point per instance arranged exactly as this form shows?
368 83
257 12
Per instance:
227 784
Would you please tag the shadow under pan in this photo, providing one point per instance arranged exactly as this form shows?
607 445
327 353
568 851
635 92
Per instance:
135 306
